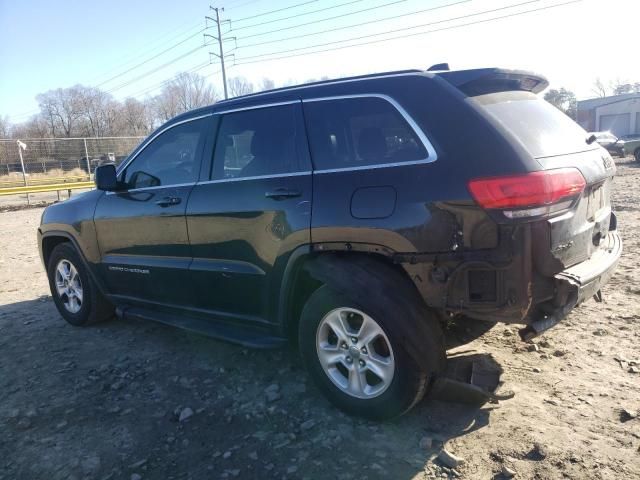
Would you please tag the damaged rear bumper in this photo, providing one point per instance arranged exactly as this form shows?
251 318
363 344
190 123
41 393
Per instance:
579 283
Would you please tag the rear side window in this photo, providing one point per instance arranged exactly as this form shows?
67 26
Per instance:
353 132
261 141
543 129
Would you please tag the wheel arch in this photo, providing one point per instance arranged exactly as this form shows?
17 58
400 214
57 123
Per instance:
51 239
309 268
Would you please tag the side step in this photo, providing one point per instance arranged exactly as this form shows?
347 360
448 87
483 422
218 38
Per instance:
209 328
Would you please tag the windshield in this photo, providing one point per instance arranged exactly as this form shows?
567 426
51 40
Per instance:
544 130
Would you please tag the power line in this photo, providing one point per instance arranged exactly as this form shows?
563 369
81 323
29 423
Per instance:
154 70
169 80
393 31
152 58
354 25
295 16
325 19
241 5
275 11
136 57
405 36
128 82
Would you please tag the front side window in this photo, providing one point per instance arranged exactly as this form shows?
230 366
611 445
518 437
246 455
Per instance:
354 132
256 142
172 158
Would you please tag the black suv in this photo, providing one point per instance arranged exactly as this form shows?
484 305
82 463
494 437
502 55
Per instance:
349 217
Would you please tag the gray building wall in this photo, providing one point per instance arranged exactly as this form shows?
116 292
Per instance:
619 114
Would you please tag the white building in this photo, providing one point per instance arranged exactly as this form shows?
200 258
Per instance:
618 114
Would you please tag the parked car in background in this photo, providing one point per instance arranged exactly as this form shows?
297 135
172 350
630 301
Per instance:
631 146
347 218
609 141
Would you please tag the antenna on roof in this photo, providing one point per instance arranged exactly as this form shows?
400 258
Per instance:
438 67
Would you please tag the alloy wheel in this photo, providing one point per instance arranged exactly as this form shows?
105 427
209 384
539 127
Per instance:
355 353
69 286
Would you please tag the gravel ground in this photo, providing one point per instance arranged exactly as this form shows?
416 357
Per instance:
137 400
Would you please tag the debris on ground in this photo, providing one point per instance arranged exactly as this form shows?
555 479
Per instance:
449 459
508 472
627 414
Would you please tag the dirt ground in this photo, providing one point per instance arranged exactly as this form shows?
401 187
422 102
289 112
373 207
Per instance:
105 402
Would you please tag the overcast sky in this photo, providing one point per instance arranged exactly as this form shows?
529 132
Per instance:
51 44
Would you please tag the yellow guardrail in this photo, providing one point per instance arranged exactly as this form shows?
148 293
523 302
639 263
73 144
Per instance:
52 187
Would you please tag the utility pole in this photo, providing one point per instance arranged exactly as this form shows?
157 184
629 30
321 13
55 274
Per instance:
219 40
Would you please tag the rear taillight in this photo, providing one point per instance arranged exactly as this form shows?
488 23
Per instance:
533 194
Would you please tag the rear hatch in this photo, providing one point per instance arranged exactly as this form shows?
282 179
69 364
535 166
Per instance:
577 215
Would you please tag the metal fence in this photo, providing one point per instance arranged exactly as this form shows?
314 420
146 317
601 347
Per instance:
39 158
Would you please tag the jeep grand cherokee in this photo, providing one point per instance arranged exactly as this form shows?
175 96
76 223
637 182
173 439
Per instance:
348 217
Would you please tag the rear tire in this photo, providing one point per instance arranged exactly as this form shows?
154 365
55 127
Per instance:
391 380
636 154
74 292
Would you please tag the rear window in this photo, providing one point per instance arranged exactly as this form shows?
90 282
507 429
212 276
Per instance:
543 129
353 132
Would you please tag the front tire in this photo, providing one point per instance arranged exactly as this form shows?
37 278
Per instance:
356 350
75 294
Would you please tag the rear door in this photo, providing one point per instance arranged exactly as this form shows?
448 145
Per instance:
142 229
252 211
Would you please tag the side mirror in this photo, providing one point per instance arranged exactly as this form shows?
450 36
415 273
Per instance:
106 178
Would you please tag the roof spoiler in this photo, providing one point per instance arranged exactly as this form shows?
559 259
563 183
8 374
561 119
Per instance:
438 67
492 80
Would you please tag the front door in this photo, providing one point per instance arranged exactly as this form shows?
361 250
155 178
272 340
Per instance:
142 229
253 211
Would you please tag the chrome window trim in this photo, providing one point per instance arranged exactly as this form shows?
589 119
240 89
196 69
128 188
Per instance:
158 187
256 177
146 143
256 107
372 167
432 156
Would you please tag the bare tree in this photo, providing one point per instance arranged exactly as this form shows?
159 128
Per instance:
88 111
240 86
185 92
621 87
36 127
599 89
266 84
192 90
62 109
134 118
99 112
165 104
5 127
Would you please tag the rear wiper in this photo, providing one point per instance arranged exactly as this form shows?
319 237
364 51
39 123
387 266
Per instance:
590 139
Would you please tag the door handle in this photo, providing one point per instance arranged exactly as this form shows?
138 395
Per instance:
167 201
282 193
